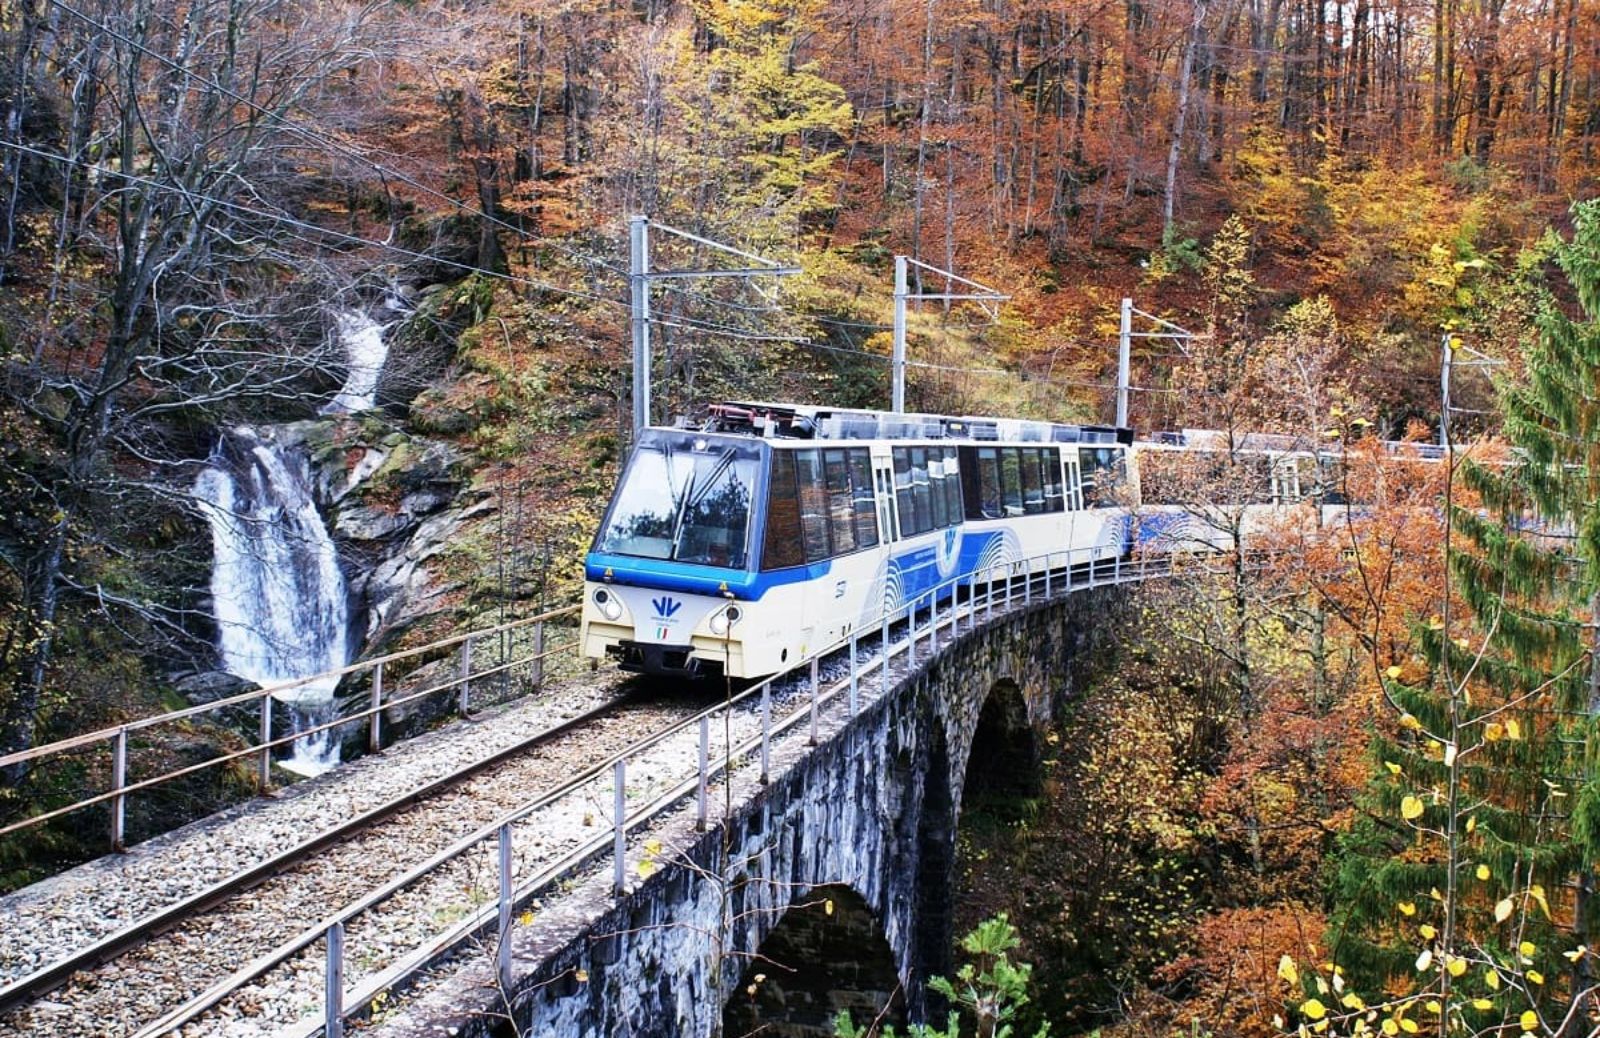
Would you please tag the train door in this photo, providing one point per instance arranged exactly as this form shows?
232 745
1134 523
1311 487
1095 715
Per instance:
888 520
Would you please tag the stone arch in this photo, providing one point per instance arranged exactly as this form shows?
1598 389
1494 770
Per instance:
1003 758
935 865
827 953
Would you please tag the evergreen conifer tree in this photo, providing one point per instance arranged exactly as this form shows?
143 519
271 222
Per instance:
1469 885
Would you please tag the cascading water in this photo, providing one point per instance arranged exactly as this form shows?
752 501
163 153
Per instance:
277 590
365 350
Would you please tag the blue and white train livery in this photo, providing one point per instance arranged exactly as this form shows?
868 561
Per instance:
772 530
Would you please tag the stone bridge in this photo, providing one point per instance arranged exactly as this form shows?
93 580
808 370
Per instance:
828 888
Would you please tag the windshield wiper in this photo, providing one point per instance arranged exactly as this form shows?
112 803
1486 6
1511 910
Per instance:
690 498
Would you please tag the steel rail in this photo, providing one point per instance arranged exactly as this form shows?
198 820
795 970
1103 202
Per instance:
446 943
106 948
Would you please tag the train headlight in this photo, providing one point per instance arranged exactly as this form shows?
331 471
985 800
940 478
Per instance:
723 619
608 604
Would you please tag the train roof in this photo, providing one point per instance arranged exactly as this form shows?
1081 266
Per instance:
810 422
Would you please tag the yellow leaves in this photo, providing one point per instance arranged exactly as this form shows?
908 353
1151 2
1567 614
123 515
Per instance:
1537 893
1482 1004
1529 1020
1391 1028
581 976
1288 971
1527 948
1513 728
1482 872
1407 721
525 919
1394 769
1575 954
827 906
1427 931
652 848
646 868
1411 808
1472 822
1393 673
1407 907
1491 979
1408 1025
1494 731
1455 965
1424 960
1502 909
1313 1009
1534 977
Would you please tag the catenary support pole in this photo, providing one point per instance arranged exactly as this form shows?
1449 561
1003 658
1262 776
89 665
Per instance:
898 405
1124 362
639 299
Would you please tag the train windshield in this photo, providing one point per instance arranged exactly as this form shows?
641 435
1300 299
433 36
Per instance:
685 498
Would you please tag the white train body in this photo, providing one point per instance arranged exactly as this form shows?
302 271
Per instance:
782 530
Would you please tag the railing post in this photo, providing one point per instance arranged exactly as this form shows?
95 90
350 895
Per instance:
1116 569
1027 582
1047 574
700 790
854 683
619 840
933 621
333 984
538 656
911 634
375 722
119 778
503 951
816 694
988 593
1009 574
264 768
766 729
886 650
465 687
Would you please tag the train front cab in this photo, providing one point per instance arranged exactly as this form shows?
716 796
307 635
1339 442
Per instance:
670 576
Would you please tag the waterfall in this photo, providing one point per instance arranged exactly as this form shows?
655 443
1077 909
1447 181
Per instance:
365 350
276 587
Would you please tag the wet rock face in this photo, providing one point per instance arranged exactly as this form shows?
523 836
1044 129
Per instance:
393 502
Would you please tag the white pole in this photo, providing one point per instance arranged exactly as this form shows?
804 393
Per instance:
1124 347
898 405
1445 350
639 290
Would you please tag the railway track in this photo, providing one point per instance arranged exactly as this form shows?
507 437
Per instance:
408 879
96 988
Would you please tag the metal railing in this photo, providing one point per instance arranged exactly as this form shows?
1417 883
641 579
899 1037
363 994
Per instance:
1000 586
117 738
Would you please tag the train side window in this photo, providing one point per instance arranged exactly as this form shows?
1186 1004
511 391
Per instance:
813 504
919 487
1103 473
1050 458
782 547
984 484
841 509
904 505
1011 480
952 486
866 513
1032 482
936 497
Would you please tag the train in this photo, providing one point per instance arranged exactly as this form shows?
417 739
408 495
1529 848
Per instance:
742 545
745 542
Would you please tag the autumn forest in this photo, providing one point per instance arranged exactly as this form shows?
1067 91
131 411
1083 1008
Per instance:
1340 779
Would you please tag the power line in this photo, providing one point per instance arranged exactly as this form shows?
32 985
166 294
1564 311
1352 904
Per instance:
289 221
321 138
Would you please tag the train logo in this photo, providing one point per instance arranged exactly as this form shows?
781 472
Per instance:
665 606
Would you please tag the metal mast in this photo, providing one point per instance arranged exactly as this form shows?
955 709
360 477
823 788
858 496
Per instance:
983 295
640 277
